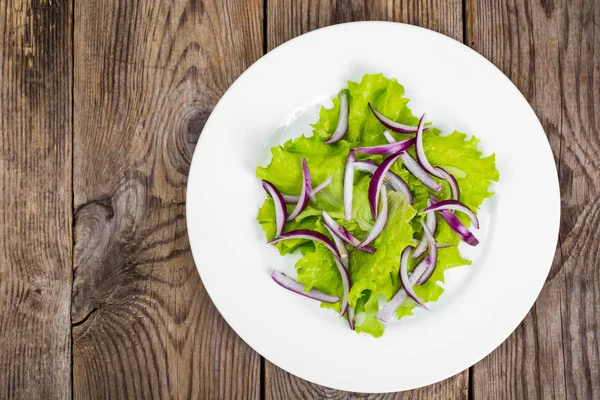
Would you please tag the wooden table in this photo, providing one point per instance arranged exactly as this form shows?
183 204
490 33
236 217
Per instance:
101 104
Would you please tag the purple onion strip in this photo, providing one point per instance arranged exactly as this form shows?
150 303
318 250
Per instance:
393 125
457 226
421 157
408 287
377 182
379 222
351 317
391 306
343 233
385 149
389 137
305 193
319 237
310 235
341 247
454 205
451 180
292 199
433 254
414 168
293 285
431 222
342 125
393 180
280 210
348 185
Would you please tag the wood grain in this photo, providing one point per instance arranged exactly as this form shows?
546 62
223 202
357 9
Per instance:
550 49
35 199
281 385
287 19
147 75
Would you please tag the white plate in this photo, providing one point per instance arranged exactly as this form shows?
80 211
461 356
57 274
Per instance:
483 303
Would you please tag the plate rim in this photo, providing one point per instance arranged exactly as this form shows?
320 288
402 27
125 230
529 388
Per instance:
441 36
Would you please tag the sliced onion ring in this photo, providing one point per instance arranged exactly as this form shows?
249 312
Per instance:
414 168
351 317
341 248
319 237
291 199
389 137
293 285
377 182
346 284
421 157
457 226
342 233
348 185
391 306
393 180
280 210
408 287
310 235
305 193
433 254
385 149
342 125
379 222
454 205
451 180
393 125
431 222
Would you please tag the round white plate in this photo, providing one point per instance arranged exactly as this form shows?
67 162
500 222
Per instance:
276 98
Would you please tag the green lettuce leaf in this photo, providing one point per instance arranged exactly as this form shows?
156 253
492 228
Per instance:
374 276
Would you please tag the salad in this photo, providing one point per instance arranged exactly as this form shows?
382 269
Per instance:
376 201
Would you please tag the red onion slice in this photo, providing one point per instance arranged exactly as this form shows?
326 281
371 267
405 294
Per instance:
377 182
385 149
293 285
421 157
393 180
346 284
280 210
351 317
393 125
341 247
291 199
342 125
431 222
310 235
348 185
414 168
366 166
391 306
342 233
319 237
305 193
451 180
379 222
454 205
457 226
389 137
433 254
408 287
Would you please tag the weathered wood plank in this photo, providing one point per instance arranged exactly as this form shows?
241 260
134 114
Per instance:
287 19
550 49
147 75
281 385
35 199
